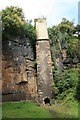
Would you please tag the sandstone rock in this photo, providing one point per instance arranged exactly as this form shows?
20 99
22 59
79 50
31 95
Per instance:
17 62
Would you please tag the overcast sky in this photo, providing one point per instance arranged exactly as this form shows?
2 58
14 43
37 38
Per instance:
53 10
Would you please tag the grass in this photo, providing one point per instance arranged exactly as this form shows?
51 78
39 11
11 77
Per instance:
67 110
0 111
31 110
68 106
71 104
24 110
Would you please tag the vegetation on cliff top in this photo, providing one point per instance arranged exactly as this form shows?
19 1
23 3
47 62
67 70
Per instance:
14 26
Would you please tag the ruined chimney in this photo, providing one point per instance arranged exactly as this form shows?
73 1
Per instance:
44 63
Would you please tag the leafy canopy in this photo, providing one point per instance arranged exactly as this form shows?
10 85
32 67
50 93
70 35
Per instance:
15 26
13 20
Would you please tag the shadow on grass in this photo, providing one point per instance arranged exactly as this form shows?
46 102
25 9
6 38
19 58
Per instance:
40 119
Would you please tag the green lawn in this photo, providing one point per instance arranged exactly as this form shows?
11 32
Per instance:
31 110
24 110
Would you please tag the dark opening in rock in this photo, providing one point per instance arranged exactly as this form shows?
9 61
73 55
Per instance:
23 82
47 101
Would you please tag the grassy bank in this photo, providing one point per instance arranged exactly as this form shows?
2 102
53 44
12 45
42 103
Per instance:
31 110
24 110
66 109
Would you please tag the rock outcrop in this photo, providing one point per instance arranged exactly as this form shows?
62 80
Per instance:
19 82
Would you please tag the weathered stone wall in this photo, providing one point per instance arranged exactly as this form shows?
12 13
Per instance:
19 82
44 63
44 69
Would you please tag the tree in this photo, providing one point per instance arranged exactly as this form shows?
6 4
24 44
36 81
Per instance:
77 28
60 35
61 32
66 26
29 32
15 26
13 21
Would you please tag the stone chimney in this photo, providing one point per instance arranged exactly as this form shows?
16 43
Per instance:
44 63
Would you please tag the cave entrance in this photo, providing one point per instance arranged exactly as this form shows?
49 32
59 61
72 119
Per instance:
47 101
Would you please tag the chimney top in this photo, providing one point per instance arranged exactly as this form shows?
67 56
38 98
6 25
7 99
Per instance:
41 29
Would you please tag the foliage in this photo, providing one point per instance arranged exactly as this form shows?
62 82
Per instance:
68 107
66 82
29 32
77 28
13 20
60 35
14 25
78 85
66 26
61 32
55 89
52 101
35 63
72 47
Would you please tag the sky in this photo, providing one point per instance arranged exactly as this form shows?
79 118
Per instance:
52 10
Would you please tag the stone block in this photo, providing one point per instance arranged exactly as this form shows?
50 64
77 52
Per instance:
41 29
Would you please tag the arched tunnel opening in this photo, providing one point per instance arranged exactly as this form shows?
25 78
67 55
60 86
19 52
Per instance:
47 101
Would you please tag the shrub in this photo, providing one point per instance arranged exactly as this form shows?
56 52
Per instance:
65 82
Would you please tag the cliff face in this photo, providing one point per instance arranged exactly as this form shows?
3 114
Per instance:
19 82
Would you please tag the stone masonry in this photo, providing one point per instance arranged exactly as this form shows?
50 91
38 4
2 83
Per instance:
44 63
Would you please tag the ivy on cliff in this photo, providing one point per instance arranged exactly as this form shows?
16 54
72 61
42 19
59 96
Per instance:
63 37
